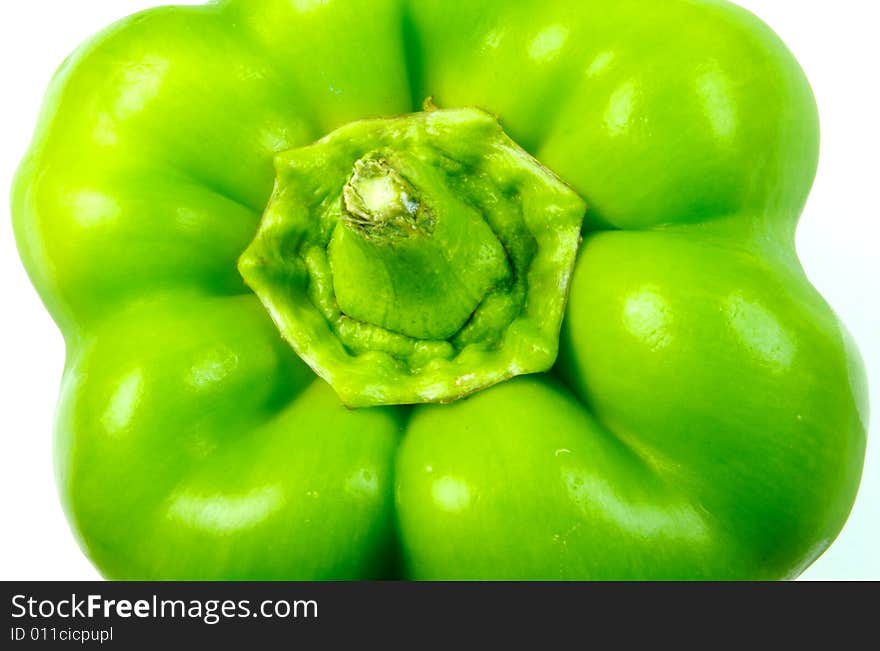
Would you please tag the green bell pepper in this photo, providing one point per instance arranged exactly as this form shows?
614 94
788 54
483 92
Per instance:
319 328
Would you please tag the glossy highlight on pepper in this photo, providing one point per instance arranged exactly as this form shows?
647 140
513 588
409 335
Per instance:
243 219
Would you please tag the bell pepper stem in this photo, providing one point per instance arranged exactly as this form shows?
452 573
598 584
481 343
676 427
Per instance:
417 259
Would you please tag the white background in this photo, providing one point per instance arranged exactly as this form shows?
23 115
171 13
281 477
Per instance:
837 44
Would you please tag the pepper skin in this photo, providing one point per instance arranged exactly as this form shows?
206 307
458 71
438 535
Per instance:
705 417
